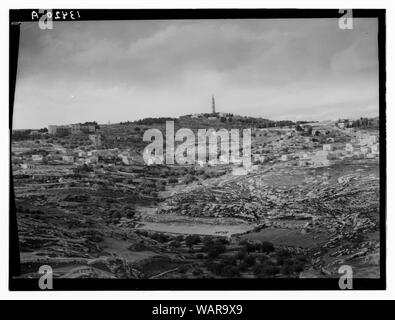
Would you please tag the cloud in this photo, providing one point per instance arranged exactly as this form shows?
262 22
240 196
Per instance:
118 70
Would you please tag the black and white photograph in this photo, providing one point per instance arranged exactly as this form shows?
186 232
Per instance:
197 149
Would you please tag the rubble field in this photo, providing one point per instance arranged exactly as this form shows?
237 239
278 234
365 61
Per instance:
330 211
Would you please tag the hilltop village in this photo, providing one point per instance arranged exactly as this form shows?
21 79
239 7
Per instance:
88 205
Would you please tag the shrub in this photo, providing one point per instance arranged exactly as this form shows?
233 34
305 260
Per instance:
243 266
173 180
175 244
116 215
200 256
266 247
287 269
189 178
207 241
160 237
243 242
160 185
283 253
230 271
142 232
217 268
197 272
250 247
216 250
183 269
190 240
241 254
130 215
257 269
249 260
270 271
222 241
230 261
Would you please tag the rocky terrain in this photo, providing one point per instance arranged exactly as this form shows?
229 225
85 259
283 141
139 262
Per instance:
115 220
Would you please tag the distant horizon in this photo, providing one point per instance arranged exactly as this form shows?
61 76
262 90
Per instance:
119 122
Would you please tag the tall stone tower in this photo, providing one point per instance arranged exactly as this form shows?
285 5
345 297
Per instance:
213 103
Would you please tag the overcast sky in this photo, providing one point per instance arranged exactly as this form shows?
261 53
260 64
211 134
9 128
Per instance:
296 69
